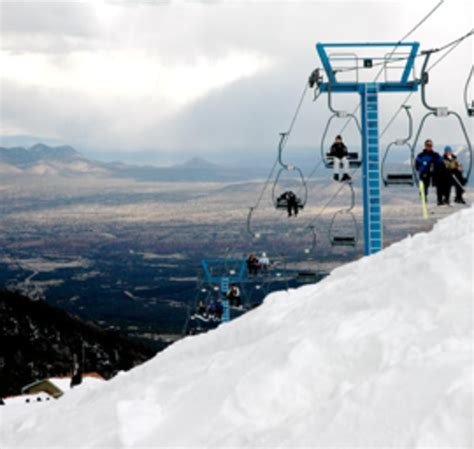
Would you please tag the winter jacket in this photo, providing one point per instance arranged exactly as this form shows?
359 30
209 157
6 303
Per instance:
233 293
338 150
429 163
452 163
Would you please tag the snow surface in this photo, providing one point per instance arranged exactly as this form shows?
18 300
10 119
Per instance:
379 354
63 383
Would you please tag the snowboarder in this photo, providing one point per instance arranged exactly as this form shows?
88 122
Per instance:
431 167
340 155
454 177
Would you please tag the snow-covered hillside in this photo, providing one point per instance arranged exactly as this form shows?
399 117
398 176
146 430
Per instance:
379 354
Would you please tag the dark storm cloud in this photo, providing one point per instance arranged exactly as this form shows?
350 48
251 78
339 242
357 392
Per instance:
47 27
246 114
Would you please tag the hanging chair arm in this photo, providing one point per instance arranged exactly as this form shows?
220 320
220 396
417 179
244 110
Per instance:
410 124
424 81
281 146
466 90
351 186
468 141
330 106
415 142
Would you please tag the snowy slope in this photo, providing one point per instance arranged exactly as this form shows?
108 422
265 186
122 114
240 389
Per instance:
379 354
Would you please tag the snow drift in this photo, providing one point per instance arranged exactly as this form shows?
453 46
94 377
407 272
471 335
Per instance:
379 354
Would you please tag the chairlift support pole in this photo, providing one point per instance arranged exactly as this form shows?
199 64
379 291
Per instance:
225 302
369 92
224 278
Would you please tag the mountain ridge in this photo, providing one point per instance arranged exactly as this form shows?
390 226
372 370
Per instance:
39 340
43 160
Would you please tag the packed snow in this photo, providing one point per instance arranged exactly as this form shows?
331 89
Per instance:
379 354
63 383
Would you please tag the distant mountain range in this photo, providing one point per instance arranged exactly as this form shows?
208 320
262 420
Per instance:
41 159
44 160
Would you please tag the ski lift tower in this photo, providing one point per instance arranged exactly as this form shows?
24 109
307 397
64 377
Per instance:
221 273
398 55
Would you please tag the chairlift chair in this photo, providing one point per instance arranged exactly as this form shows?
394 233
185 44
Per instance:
282 203
353 157
328 159
338 237
439 112
398 178
340 240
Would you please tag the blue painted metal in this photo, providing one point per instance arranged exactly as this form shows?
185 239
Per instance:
410 61
225 302
373 239
371 170
239 266
230 271
403 85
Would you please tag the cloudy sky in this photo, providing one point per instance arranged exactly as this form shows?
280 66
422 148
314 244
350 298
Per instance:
170 79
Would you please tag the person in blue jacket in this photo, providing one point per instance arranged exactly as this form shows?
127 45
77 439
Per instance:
216 310
430 166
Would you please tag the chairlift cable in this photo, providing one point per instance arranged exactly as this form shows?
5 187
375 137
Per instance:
278 158
411 31
437 111
279 203
324 207
453 45
395 115
422 21
408 34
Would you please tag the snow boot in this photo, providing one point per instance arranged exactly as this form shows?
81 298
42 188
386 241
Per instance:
346 177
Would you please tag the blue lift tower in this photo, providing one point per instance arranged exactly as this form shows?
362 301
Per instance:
222 273
396 53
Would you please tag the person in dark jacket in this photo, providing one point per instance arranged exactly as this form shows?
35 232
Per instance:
216 310
430 166
233 295
454 176
201 309
340 155
291 201
252 264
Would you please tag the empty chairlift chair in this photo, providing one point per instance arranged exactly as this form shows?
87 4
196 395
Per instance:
347 235
399 177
